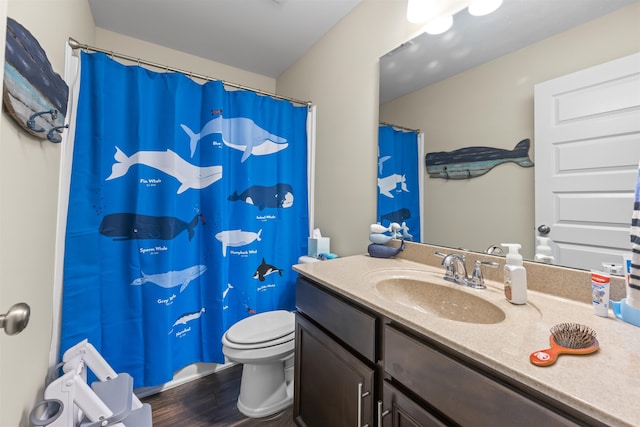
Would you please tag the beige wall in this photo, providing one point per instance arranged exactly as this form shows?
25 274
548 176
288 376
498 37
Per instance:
492 105
29 170
136 48
340 74
29 179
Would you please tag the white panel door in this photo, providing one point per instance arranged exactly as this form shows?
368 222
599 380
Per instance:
587 149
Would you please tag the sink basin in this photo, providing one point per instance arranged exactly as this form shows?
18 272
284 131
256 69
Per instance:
448 301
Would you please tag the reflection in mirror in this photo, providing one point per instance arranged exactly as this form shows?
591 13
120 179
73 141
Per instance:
400 181
474 86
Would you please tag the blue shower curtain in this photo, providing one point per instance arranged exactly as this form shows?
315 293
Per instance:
398 179
187 207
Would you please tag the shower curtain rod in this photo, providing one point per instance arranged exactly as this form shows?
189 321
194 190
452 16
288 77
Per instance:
399 127
74 44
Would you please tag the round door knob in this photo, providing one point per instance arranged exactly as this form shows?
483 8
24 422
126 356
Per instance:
16 319
544 229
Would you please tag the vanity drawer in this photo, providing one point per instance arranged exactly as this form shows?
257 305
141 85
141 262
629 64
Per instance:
461 393
355 327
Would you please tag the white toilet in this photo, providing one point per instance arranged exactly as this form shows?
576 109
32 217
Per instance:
265 345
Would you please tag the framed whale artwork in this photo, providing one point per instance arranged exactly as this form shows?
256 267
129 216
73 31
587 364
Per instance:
34 95
470 162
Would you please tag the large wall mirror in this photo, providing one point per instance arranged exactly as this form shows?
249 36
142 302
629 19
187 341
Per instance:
474 86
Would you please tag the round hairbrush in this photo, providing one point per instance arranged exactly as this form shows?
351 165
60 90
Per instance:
566 338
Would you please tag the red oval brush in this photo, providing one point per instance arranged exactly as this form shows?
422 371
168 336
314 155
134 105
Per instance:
566 338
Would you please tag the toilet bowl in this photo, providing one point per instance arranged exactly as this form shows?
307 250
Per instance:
265 345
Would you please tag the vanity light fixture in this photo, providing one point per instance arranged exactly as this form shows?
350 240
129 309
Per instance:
484 7
438 14
419 11
439 25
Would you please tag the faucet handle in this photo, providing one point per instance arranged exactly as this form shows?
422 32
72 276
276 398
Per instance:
446 262
477 278
446 258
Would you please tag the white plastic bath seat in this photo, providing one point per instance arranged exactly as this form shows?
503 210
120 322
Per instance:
265 345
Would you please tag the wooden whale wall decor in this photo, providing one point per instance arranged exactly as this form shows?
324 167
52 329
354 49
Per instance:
33 94
470 162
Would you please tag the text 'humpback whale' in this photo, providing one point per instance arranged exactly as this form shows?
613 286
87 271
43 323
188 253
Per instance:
236 238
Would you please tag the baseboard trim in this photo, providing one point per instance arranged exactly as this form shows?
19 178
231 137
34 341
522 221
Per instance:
187 374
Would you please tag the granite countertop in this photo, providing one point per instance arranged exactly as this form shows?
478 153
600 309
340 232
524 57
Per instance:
603 385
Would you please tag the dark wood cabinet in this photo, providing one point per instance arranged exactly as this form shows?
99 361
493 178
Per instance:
396 409
352 326
332 386
356 367
464 395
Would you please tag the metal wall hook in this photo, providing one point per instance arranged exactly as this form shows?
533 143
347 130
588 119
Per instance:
31 123
53 135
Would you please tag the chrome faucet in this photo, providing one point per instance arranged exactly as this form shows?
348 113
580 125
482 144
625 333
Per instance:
456 270
494 250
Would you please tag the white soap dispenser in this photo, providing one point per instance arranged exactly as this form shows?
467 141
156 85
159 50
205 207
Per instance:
543 251
515 276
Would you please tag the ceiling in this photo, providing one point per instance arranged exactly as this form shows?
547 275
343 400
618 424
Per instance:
473 40
262 36
268 36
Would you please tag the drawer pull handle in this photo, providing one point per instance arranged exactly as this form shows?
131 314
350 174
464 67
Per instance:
381 414
361 395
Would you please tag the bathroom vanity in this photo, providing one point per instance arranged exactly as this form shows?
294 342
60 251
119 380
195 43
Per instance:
372 349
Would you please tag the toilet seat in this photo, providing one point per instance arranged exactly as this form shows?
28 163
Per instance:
262 330
283 340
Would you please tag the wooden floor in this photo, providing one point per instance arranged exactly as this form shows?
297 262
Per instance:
209 401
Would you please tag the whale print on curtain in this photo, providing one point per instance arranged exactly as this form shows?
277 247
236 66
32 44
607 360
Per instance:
398 179
187 207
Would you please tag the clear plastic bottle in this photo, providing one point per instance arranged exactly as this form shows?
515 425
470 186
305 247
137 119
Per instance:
515 275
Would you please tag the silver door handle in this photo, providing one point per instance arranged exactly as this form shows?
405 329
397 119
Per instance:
381 414
544 229
361 395
16 319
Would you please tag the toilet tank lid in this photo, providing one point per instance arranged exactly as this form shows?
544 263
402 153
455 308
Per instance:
262 327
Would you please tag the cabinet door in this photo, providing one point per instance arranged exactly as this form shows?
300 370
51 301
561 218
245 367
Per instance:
461 393
332 387
398 410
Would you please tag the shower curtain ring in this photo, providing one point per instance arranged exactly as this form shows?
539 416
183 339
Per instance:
53 136
31 123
